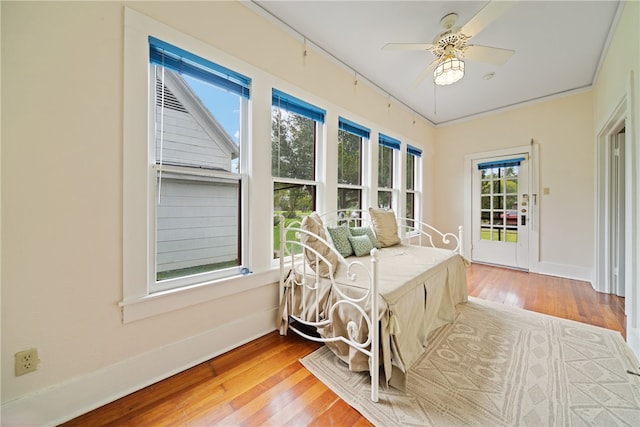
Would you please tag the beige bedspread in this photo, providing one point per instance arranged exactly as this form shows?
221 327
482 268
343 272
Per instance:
418 290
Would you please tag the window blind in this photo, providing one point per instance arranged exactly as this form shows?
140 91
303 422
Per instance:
354 128
501 163
298 106
387 141
414 151
183 62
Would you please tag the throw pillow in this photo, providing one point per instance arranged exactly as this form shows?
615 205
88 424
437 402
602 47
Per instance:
313 223
340 236
365 231
361 245
385 226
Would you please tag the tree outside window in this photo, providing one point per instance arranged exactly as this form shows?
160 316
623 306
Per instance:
349 171
294 132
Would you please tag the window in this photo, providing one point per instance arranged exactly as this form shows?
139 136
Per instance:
296 127
499 200
198 209
386 180
413 182
351 138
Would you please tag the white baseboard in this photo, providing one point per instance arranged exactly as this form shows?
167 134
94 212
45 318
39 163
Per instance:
566 271
67 400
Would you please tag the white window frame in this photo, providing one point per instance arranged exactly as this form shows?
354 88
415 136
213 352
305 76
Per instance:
417 187
319 171
364 165
139 176
396 179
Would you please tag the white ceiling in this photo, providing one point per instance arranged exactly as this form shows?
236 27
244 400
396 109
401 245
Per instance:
558 48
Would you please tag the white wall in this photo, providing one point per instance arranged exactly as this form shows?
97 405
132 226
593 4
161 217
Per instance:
62 166
563 128
618 83
62 196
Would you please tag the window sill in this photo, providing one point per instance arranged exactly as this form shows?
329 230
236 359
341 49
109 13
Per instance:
162 302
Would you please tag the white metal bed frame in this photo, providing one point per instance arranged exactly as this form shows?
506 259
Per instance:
410 232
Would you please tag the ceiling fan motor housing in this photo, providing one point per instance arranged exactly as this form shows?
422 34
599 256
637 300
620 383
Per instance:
450 43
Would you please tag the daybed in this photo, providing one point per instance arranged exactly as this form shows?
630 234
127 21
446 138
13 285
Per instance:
337 269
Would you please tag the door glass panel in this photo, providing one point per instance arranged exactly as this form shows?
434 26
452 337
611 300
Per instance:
485 202
499 204
486 187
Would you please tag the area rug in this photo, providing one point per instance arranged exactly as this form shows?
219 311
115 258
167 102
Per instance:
502 366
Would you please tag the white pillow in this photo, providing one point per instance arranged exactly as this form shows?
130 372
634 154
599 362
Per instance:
385 227
313 223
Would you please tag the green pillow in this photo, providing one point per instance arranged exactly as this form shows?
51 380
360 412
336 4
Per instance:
365 231
361 245
340 236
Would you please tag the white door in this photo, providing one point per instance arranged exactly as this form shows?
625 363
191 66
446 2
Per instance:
500 208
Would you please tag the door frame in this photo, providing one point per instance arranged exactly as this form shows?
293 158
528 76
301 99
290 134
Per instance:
532 150
624 114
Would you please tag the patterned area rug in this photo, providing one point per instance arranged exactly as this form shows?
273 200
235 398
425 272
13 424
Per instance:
502 366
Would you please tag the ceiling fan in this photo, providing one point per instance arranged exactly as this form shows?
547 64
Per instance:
451 46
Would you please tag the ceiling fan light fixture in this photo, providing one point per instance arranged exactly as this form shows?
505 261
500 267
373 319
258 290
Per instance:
448 71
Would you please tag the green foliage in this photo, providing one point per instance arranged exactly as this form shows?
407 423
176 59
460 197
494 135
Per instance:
385 167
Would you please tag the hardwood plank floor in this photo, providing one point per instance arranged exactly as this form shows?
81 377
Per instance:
263 383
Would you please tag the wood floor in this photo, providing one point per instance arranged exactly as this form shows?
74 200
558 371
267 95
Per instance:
263 383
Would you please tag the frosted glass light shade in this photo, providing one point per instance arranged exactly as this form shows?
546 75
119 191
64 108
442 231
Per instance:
449 71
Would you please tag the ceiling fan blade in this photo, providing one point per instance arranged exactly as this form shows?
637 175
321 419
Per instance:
425 73
489 13
488 55
407 46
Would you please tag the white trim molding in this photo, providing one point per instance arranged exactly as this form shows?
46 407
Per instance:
624 114
534 208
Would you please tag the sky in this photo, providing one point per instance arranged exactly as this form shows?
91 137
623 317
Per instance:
223 105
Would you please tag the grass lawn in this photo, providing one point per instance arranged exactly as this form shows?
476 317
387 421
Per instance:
290 234
499 235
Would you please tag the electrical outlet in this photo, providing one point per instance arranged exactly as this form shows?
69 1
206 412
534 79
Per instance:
26 361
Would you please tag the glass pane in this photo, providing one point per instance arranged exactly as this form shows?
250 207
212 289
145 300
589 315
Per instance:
410 205
485 218
293 202
511 171
497 187
384 199
349 158
410 171
511 186
290 199
485 187
498 218
349 198
498 202
186 139
292 145
485 202
198 225
512 202
291 235
385 167
510 217
512 235
485 233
